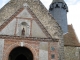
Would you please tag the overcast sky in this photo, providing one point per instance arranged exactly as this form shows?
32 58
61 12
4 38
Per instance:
73 14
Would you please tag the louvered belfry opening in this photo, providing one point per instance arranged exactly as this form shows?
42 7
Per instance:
20 53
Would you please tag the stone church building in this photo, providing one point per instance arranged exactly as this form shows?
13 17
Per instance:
28 31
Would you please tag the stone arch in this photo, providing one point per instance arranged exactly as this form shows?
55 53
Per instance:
15 45
20 53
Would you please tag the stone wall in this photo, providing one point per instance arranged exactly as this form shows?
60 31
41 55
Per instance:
1 48
71 53
41 13
38 9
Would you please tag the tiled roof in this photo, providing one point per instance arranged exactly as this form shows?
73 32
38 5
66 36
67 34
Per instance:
70 39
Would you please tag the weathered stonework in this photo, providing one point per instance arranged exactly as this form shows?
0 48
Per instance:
71 53
1 48
47 20
38 45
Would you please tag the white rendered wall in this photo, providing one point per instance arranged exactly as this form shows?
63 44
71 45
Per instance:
1 48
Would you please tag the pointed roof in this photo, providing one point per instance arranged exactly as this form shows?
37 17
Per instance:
34 18
38 9
70 38
57 1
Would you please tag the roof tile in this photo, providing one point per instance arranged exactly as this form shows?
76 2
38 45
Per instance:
70 39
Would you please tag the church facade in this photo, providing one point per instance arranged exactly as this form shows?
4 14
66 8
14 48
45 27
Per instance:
28 31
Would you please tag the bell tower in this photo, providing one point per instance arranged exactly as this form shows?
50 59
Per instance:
59 9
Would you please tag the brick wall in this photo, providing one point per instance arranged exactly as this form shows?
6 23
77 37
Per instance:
38 48
10 44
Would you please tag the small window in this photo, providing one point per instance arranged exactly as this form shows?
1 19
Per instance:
52 56
57 6
52 48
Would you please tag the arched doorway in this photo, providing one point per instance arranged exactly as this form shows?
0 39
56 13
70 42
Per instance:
20 53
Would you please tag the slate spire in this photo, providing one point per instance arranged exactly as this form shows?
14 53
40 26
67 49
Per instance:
57 1
59 9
